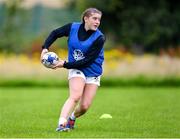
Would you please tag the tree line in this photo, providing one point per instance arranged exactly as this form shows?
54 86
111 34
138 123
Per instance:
140 26
147 25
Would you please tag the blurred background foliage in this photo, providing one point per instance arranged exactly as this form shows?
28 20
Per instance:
137 26
142 37
142 26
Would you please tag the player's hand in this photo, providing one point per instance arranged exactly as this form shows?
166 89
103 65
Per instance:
42 53
59 64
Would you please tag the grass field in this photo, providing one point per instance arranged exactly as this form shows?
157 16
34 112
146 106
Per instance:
136 111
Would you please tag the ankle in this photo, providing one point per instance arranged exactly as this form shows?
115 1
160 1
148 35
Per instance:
73 117
62 121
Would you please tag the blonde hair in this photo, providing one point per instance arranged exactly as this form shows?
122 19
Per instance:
88 12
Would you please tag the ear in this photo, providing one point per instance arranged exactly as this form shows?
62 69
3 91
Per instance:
85 18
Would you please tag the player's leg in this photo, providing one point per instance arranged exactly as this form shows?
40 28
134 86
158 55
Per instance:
76 87
86 99
89 92
84 104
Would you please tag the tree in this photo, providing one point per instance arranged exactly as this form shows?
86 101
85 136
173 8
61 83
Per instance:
149 24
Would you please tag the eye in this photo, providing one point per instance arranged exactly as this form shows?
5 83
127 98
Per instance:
95 18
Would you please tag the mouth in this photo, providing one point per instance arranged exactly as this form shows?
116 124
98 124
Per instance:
95 26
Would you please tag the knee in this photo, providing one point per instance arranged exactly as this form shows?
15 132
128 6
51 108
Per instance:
75 98
85 107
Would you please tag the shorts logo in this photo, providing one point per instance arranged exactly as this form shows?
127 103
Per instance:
78 72
78 54
96 79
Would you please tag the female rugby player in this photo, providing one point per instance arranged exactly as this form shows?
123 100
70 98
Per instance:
85 59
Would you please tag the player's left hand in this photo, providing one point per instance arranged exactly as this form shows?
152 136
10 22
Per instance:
59 64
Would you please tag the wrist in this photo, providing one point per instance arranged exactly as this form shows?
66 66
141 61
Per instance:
64 64
45 50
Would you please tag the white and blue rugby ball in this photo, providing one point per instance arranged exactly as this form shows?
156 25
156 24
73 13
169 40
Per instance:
50 59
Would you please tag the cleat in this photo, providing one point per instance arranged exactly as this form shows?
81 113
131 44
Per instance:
70 123
62 129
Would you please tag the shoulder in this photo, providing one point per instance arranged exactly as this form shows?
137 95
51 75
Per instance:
75 24
101 36
100 41
68 25
65 27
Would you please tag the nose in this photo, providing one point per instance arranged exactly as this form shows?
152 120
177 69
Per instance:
97 22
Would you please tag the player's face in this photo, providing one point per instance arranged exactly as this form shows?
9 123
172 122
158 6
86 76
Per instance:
92 22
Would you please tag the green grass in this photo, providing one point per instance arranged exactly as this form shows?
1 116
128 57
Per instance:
145 81
136 111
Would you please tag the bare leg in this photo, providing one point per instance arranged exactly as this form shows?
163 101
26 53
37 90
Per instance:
86 99
76 87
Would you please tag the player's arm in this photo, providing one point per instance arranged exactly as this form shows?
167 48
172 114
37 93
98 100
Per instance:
57 33
90 56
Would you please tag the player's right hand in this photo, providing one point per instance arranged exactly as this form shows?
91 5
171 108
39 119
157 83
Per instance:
42 53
